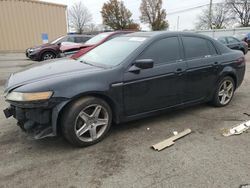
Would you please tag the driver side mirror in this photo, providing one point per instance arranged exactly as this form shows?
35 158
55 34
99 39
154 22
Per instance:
141 64
144 63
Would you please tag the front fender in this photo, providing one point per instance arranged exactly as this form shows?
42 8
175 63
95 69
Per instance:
55 116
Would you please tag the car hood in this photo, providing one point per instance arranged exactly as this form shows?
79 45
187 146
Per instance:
68 47
49 70
43 45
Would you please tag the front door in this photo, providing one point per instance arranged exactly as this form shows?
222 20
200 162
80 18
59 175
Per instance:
158 87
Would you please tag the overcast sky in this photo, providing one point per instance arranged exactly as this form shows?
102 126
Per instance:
187 19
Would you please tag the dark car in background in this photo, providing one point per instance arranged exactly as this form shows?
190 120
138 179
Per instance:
78 50
123 79
234 43
51 50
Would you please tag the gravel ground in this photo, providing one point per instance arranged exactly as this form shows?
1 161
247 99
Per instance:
124 159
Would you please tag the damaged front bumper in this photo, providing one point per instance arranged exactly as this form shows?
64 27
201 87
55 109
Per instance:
37 119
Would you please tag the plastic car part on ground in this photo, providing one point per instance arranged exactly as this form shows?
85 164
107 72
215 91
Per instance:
239 129
170 141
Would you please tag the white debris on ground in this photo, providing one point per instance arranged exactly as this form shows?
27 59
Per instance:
175 132
170 141
239 129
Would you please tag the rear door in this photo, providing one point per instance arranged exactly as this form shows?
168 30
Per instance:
202 67
158 87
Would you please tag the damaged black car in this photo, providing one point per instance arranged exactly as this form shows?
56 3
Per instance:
126 78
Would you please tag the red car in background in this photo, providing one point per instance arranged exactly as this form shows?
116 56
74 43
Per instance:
79 50
51 50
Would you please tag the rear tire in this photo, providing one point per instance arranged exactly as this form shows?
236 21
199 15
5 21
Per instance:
86 121
224 92
243 51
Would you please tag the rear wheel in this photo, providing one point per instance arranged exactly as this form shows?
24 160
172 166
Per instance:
243 51
86 121
48 55
224 92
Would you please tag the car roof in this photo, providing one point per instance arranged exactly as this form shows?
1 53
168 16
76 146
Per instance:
155 34
117 32
79 35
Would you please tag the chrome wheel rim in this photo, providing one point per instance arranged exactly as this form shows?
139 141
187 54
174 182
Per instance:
91 123
226 92
48 56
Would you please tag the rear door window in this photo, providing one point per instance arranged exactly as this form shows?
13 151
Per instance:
222 40
163 51
232 40
196 47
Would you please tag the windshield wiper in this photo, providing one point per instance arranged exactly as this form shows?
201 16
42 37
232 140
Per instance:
94 65
85 62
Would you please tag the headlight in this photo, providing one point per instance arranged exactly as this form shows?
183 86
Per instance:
17 96
34 49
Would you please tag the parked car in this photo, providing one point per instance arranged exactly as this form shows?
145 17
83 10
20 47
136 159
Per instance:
247 40
78 50
126 78
234 43
51 50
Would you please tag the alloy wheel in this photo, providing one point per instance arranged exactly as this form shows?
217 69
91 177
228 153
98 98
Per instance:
226 91
48 56
91 123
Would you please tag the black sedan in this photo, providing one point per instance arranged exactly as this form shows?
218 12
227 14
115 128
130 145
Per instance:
126 78
234 43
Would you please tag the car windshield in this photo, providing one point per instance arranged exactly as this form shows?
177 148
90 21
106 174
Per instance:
113 52
96 39
56 40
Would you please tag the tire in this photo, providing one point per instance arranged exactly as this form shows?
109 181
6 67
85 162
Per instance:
224 93
86 121
48 55
243 51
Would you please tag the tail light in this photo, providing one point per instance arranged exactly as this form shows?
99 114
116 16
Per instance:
241 60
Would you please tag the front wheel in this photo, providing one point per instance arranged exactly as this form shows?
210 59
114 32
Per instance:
86 121
48 55
224 92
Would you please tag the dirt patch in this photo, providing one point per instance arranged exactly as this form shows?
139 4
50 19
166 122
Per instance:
109 161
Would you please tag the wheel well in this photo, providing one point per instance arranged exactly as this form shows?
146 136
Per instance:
243 50
103 97
234 78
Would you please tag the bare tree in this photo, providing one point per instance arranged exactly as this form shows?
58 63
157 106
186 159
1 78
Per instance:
153 14
79 16
241 9
221 17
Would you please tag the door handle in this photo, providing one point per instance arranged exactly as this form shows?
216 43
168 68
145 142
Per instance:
179 71
216 65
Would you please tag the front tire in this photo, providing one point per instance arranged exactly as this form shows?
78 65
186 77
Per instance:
224 92
47 56
86 121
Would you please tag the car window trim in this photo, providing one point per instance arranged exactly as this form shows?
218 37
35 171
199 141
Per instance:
199 57
164 63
